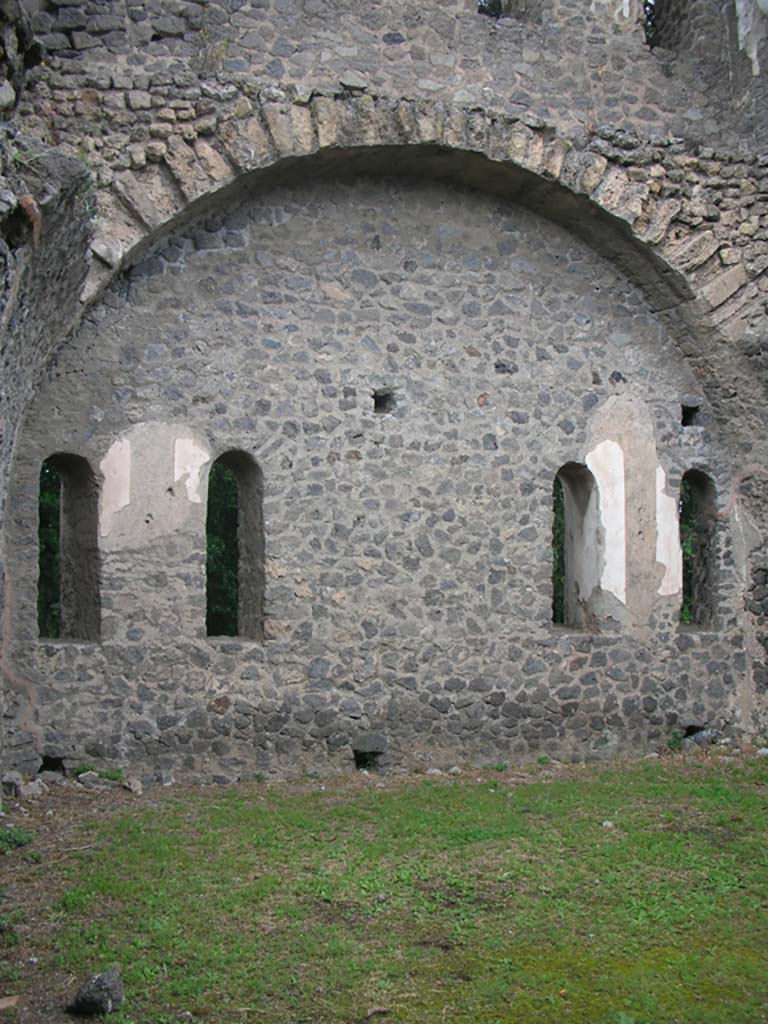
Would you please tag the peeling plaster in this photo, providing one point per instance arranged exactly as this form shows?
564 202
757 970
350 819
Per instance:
606 463
668 550
752 18
116 489
188 459
140 503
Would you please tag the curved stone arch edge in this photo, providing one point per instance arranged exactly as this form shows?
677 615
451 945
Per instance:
665 285
289 142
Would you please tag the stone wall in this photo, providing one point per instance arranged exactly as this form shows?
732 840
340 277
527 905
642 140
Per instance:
120 67
409 556
182 111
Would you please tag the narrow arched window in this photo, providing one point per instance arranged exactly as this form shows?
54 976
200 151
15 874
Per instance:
575 544
235 548
698 522
68 604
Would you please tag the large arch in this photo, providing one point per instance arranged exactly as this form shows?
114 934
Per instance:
709 305
285 142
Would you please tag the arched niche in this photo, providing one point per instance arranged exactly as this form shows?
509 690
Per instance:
576 545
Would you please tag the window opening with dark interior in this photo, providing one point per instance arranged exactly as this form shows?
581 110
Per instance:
575 544
493 8
235 579
68 602
664 22
698 536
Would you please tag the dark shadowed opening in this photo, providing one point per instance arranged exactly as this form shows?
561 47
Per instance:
558 552
235 548
690 415
52 764
367 760
68 604
384 400
664 22
698 524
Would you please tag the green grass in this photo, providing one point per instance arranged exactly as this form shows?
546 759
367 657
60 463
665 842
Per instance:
11 837
472 902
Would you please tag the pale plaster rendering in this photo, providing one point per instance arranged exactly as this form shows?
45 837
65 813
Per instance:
668 551
606 463
116 487
140 497
752 18
189 457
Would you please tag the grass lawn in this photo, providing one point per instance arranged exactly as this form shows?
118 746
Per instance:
630 894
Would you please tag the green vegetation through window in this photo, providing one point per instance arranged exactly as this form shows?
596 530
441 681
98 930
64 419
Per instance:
222 552
698 518
235 548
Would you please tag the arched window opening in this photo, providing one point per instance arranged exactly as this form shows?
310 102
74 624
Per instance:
558 552
493 8
575 544
235 548
664 22
68 604
698 522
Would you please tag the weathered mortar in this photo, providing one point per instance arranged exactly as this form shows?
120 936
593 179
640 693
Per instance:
180 107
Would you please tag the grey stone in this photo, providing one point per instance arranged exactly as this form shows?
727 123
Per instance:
90 779
109 250
371 743
32 790
7 96
706 737
12 783
99 995
406 550
353 80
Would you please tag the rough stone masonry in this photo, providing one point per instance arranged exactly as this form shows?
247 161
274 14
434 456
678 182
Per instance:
404 264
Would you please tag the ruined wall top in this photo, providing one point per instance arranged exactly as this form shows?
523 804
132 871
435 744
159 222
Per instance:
127 72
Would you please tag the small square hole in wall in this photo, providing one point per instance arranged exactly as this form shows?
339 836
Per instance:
384 400
367 760
690 415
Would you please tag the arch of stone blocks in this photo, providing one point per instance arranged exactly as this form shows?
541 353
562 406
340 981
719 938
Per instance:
709 297
526 161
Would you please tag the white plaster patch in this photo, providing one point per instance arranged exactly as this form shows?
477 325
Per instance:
188 459
606 463
140 501
619 10
116 489
752 21
668 550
